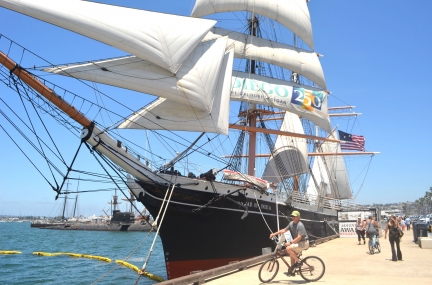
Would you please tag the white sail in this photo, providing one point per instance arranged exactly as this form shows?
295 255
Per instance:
338 177
290 151
320 177
136 74
163 39
193 85
303 62
171 115
307 102
293 14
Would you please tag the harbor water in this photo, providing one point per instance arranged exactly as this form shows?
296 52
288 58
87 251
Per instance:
27 268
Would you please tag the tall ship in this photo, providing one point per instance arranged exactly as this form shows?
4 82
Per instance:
234 106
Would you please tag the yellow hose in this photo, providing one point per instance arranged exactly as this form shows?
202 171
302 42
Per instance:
135 268
77 255
10 252
69 254
152 276
127 264
45 253
106 259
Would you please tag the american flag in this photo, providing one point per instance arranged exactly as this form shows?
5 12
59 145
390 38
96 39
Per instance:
351 142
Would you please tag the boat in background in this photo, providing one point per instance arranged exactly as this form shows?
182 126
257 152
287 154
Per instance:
118 221
204 220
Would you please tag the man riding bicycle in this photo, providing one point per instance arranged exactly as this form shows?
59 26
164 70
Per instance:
300 240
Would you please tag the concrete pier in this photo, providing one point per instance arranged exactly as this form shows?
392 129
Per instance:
349 263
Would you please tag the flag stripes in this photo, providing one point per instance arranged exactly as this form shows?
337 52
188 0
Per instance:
351 142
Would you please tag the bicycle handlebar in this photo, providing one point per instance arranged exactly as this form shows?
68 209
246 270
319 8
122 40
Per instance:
280 241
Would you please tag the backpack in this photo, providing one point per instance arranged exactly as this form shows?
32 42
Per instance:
371 230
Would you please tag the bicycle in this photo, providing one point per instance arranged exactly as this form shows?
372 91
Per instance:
374 244
312 268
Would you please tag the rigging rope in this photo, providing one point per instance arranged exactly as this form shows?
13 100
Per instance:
364 178
143 268
15 83
99 107
52 186
127 257
22 133
109 163
259 207
40 119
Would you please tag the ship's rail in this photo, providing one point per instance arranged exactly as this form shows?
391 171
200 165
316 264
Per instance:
318 201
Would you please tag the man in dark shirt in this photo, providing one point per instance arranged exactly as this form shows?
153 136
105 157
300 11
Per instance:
299 242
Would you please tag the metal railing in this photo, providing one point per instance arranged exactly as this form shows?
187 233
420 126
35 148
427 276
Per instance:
317 201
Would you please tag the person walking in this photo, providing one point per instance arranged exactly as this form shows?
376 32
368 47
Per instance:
392 228
403 225
360 230
408 223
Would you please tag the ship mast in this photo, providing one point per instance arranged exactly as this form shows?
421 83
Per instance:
65 199
114 202
252 112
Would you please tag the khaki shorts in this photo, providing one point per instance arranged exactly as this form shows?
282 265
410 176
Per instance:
300 246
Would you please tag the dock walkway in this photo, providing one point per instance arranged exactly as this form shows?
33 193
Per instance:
349 263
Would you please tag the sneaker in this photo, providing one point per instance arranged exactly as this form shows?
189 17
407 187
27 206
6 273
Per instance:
296 265
289 273
364 242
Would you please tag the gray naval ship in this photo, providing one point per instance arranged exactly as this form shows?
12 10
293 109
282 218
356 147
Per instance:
120 221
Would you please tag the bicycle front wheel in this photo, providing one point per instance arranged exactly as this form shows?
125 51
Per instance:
312 269
378 247
268 270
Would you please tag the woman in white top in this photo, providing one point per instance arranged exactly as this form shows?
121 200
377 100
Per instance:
360 230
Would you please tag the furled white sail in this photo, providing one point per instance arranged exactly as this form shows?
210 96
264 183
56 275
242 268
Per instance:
193 85
171 115
303 62
307 102
165 40
338 176
293 14
290 151
238 176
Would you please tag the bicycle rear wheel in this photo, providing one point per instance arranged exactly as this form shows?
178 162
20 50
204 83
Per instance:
312 268
268 270
371 247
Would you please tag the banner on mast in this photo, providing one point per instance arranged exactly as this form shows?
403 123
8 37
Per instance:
305 101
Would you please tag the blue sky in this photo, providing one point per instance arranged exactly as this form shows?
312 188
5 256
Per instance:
376 57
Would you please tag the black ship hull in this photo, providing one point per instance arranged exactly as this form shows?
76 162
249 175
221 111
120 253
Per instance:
197 238
43 225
